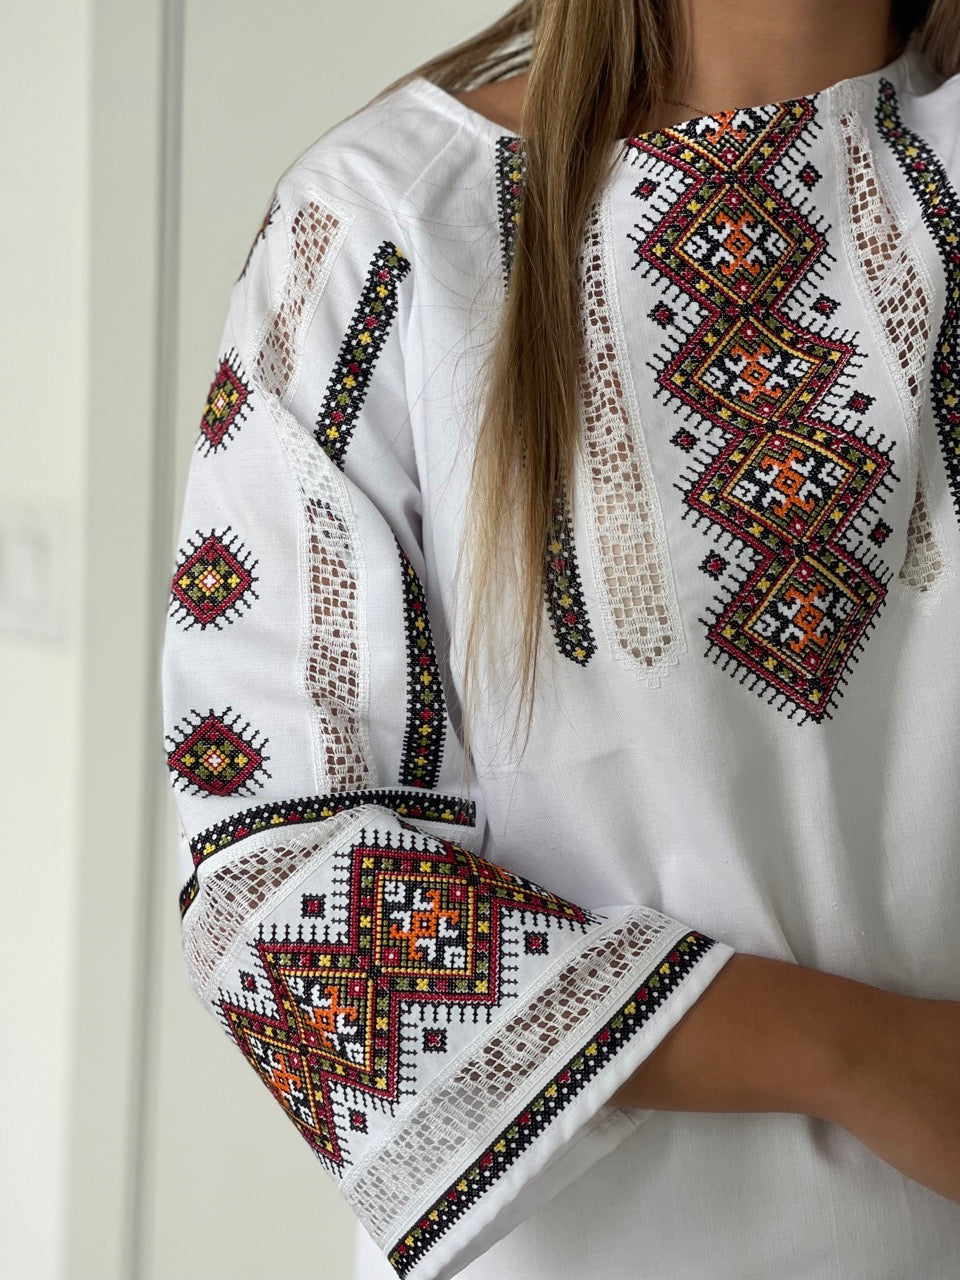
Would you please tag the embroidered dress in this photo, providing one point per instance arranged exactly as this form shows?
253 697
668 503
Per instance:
745 734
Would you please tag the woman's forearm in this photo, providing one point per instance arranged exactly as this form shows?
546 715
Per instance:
766 1035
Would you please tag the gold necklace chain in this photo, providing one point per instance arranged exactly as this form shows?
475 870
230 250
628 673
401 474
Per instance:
676 102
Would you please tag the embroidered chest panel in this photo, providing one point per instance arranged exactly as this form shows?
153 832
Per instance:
783 468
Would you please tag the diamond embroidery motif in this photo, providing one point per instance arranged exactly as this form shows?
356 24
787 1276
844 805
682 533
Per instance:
228 404
785 482
419 931
213 581
215 757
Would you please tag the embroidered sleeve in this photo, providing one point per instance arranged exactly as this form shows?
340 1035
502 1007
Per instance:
444 1034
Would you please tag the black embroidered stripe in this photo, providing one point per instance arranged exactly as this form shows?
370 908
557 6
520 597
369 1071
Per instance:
563 591
568 613
415 805
511 1143
510 171
423 739
364 340
940 211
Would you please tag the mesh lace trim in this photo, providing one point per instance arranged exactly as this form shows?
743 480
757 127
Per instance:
393 1185
631 563
330 656
333 664
229 896
312 232
901 294
923 568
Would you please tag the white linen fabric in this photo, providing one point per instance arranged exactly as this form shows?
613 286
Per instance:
745 735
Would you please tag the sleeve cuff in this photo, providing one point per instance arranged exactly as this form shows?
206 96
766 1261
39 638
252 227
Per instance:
526 1112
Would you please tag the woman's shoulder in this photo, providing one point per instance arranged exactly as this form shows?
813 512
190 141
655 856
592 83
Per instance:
400 156
927 102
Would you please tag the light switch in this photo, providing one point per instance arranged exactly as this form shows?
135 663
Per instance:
38 572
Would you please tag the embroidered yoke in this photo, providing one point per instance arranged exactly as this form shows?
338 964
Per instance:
745 735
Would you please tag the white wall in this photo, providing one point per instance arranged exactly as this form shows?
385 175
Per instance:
44 119
135 1143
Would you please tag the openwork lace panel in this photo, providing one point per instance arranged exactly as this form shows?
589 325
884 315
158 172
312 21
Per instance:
330 654
631 564
901 291
398 1181
312 233
230 896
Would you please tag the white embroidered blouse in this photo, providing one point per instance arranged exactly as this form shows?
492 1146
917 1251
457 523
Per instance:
746 733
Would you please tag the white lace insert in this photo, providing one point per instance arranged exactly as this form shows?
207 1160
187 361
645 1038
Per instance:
313 231
455 1118
330 653
901 292
628 545
232 894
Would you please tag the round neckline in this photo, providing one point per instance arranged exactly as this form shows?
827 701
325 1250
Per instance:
485 127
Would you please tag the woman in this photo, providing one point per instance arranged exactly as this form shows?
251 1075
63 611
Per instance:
617 398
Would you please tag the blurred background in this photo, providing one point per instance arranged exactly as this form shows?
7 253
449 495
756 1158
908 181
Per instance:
139 144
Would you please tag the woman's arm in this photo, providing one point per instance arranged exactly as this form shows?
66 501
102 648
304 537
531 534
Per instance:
768 1035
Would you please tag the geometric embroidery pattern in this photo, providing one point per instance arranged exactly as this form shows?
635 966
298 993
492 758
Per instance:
350 380
568 613
424 735
562 586
939 206
213 581
551 1099
228 404
509 197
412 805
213 756
418 931
784 481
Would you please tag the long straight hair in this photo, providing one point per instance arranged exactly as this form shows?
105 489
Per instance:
597 70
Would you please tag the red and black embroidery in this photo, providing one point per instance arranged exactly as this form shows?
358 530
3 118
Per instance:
364 340
562 587
939 205
228 404
510 170
423 739
213 755
213 581
568 613
416 927
268 218
557 1094
791 482
413 805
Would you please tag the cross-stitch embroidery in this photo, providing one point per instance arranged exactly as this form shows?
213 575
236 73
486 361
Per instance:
213 580
784 481
564 593
364 340
228 404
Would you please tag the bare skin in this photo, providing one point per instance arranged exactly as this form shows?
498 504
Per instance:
807 45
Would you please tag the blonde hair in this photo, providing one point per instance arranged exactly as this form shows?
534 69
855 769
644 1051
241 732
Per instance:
629 55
